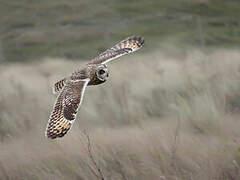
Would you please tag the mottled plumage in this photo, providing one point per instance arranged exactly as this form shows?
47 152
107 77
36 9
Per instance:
65 108
72 88
126 46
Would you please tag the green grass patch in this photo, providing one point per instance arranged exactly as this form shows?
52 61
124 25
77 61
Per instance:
94 25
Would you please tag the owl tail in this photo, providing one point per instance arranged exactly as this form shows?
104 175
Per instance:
59 85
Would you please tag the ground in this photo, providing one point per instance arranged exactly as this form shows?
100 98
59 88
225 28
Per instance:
170 111
159 116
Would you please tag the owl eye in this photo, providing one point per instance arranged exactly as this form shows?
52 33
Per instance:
135 45
101 72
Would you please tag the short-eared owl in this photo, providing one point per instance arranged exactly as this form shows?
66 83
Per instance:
72 88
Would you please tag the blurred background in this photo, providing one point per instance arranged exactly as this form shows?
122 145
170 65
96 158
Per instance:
169 111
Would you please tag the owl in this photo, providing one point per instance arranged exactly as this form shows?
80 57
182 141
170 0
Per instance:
71 89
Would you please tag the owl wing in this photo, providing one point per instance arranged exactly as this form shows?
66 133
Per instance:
65 108
126 46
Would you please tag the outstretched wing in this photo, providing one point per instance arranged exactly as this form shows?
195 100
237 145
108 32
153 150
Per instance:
65 108
126 46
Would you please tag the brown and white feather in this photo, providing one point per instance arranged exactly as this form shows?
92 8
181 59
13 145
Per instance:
126 46
59 85
66 108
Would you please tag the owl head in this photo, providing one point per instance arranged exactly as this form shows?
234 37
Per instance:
102 72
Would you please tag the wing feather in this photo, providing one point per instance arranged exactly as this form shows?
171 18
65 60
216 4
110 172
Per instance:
126 46
66 108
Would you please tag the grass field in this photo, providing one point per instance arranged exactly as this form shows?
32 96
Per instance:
170 111
77 29
159 116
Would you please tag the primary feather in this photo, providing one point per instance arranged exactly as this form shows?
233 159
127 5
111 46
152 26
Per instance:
65 109
126 46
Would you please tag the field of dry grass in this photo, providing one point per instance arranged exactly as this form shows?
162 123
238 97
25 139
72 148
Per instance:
160 116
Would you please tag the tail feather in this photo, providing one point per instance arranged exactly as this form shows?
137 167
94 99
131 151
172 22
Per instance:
59 85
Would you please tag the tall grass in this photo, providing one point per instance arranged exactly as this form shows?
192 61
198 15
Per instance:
159 116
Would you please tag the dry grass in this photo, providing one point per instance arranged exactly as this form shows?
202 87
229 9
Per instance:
159 116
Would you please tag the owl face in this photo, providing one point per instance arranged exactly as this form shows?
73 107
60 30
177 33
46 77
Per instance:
102 72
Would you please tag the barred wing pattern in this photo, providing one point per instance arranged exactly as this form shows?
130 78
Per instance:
65 108
126 46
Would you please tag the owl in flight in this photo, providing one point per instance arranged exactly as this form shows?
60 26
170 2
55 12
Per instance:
71 89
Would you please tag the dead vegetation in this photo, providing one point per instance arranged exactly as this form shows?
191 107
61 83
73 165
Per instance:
159 116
